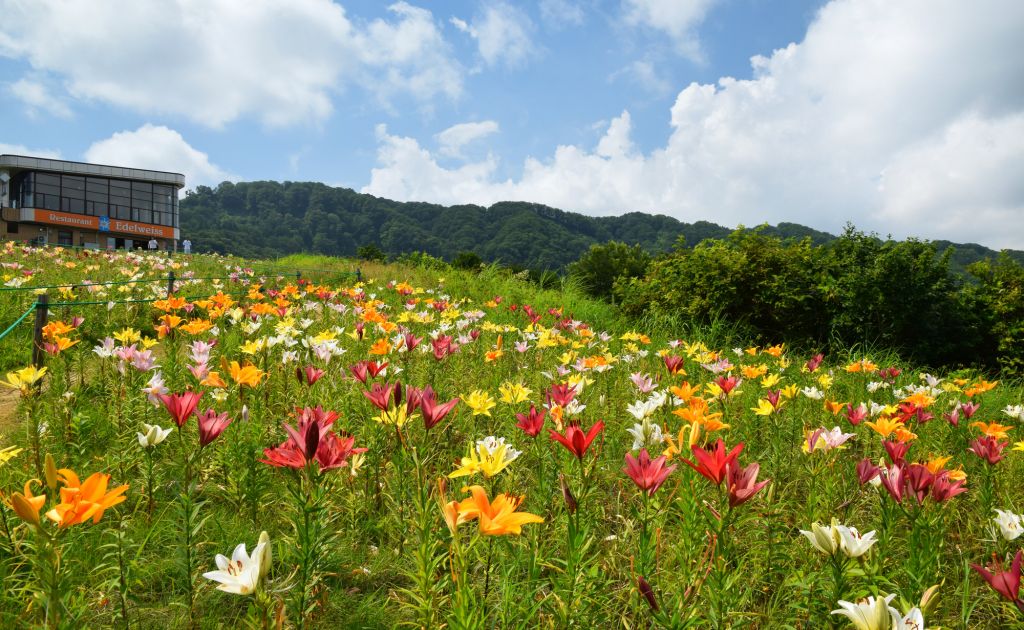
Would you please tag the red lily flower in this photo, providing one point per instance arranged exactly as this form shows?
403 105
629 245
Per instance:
893 478
411 341
181 406
814 363
359 371
533 422
673 363
648 475
919 481
857 414
309 374
728 383
969 409
1006 583
712 464
211 425
433 412
943 489
575 440
561 394
375 368
381 395
988 448
742 482
866 470
442 346
897 451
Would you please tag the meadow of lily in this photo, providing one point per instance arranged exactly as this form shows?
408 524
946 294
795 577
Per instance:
471 452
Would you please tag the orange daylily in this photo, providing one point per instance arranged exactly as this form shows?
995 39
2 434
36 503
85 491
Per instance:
904 435
920 399
993 429
696 412
685 391
864 365
754 371
937 463
172 303
213 379
498 517
775 351
81 501
381 347
56 329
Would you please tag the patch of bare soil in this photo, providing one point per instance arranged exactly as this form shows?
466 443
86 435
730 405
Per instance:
8 411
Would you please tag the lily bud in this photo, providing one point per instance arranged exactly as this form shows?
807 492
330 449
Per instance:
267 556
929 600
24 509
50 471
570 501
647 592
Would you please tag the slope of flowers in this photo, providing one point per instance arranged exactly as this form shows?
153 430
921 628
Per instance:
257 451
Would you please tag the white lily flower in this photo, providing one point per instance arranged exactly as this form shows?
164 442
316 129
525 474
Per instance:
241 574
869 614
854 545
1009 524
813 392
153 435
1014 411
824 538
645 433
913 620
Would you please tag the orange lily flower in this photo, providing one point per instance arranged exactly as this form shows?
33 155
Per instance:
213 379
993 429
937 463
920 399
754 371
980 388
248 375
884 426
498 517
197 326
696 412
835 407
685 391
81 501
380 347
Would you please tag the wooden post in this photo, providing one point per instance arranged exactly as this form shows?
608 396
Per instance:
170 283
42 312
359 275
298 277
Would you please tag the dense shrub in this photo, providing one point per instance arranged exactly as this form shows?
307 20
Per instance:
603 265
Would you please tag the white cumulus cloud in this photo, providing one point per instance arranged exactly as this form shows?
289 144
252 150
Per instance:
214 61
157 148
678 19
37 97
503 33
20 149
451 140
903 117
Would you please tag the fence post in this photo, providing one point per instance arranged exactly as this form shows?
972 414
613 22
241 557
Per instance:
298 277
170 283
359 275
42 312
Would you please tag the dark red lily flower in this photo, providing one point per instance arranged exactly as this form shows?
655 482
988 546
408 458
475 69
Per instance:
814 363
943 489
673 363
360 330
531 423
575 440
414 398
712 464
433 412
919 481
646 473
211 425
561 394
375 368
381 395
889 374
442 346
411 341
181 406
317 414
866 470
309 374
1006 583
742 482
953 416
773 396
567 496
728 383
334 451
329 451
897 451
857 414
988 448
910 411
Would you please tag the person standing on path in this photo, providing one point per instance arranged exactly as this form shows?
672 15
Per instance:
186 246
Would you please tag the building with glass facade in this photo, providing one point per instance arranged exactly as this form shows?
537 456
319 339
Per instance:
58 202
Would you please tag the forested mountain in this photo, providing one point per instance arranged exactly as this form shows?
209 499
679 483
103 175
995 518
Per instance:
266 219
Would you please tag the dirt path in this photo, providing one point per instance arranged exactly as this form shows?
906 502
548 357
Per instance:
8 413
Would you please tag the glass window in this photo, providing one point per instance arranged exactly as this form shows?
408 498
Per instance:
145 216
48 189
49 202
72 182
12 227
72 205
47 178
97 184
64 238
96 196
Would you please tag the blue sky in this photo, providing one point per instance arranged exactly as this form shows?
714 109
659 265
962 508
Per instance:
902 118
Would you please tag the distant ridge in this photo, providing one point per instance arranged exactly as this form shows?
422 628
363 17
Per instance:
268 219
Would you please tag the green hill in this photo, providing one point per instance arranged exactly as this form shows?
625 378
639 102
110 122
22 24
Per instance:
270 219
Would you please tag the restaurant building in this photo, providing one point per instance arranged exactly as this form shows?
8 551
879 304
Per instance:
57 202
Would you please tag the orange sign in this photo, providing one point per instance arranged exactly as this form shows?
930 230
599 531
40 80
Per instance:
118 226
